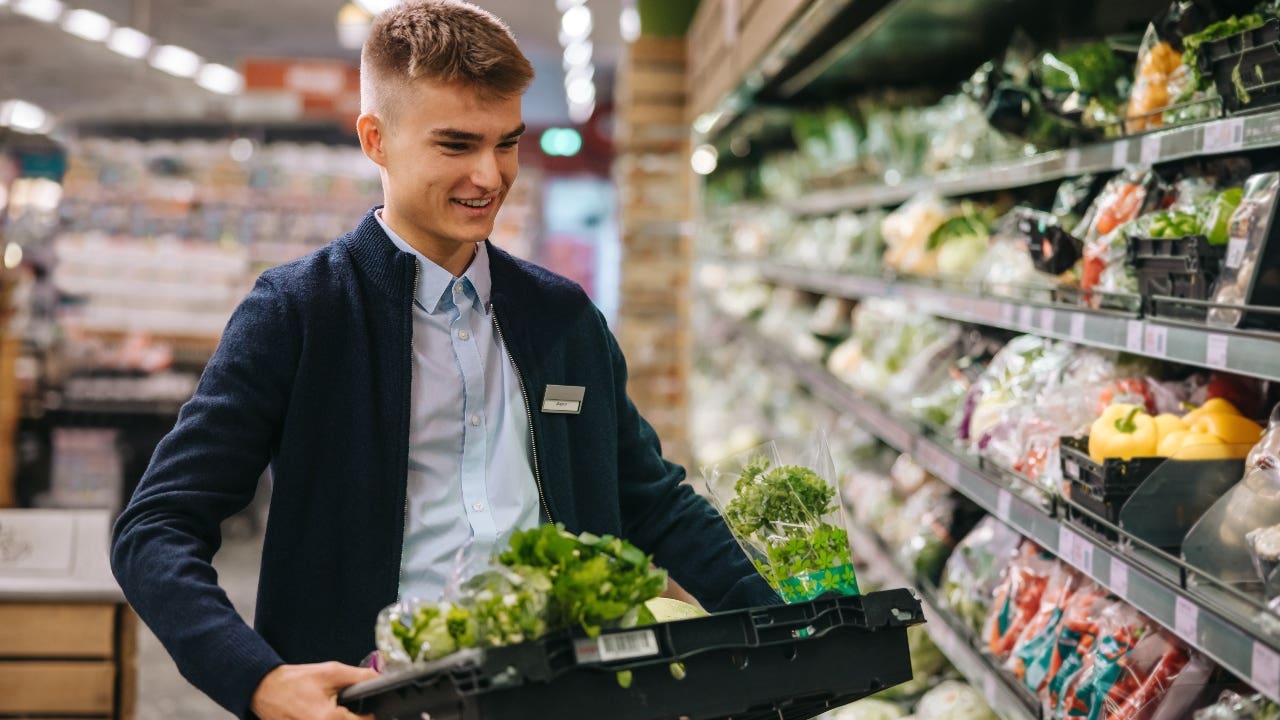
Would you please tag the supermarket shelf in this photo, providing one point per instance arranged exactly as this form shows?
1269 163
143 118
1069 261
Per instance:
1228 135
1243 352
976 668
1228 635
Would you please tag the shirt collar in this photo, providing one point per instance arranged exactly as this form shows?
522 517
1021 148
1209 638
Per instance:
435 284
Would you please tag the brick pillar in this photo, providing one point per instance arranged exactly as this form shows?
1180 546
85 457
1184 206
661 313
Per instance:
654 183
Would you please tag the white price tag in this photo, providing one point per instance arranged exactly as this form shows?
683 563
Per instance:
1074 549
1071 469
1133 336
616 646
1025 317
1265 670
1048 320
1155 340
1006 314
1223 136
1235 252
1066 542
1071 162
1150 150
1119 578
1215 351
1186 619
989 691
1120 154
1077 326
1003 503
1084 556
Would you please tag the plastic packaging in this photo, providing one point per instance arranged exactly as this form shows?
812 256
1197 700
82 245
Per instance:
1244 280
1160 79
779 501
1233 706
973 569
1103 229
954 700
1017 598
1032 655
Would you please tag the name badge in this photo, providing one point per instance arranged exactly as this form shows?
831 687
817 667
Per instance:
564 399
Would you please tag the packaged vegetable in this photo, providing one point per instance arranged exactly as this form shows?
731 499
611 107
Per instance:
1248 234
954 700
1161 77
779 502
974 568
1032 653
906 232
1017 598
1233 706
1108 675
1104 267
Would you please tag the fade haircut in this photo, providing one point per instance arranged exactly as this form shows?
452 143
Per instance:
448 41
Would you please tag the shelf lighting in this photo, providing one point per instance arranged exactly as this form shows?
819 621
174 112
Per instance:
43 10
629 22
373 7
129 42
703 160
577 53
220 79
576 22
88 24
23 116
177 61
564 5
580 113
580 91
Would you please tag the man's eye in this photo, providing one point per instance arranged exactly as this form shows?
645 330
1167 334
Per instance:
509 144
454 147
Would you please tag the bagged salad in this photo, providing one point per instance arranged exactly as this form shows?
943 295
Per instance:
781 503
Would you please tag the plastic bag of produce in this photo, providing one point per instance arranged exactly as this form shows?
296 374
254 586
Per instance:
971 573
1106 246
1112 669
1248 232
1017 598
780 502
1233 706
1031 658
954 700
906 232
1160 79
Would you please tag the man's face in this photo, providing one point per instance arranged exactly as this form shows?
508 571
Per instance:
448 159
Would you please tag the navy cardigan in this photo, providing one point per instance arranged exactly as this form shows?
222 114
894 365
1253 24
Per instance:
312 375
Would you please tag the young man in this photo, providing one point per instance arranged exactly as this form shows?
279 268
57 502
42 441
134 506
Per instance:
401 381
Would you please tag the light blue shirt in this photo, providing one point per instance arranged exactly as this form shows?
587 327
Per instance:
470 462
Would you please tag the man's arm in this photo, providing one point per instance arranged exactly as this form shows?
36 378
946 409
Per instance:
665 517
204 471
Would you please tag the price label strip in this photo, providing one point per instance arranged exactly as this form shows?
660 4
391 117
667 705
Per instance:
1186 619
1133 336
1215 351
1155 341
1119 578
1265 670
1077 326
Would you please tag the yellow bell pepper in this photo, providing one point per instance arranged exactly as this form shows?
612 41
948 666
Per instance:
1232 429
1193 445
1124 431
1168 423
1212 405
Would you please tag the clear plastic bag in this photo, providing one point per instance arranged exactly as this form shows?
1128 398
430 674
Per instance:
1017 598
1248 233
780 502
970 576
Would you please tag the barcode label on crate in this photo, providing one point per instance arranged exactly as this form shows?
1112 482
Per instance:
1155 341
1186 619
1120 154
616 646
1133 336
1223 136
1150 150
1119 578
1215 351
1077 326
1235 252
1265 670
1071 469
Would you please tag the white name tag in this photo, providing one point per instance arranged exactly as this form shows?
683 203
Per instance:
564 399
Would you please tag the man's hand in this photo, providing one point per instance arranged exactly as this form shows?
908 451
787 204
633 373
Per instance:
307 692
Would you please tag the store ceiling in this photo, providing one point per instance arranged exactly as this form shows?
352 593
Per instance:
79 81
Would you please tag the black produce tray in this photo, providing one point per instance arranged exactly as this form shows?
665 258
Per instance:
1173 269
1251 59
1052 249
785 662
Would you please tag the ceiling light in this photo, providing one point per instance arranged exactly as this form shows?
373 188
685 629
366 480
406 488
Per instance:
629 23
220 79
703 160
12 255
129 42
24 116
175 60
42 10
373 7
563 5
581 113
577 53
353 26
572 74
576 22
88 24
241 149
580 91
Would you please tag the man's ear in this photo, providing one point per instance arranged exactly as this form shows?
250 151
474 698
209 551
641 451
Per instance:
370 129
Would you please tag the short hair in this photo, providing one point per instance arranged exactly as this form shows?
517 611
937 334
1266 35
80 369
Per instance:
443 40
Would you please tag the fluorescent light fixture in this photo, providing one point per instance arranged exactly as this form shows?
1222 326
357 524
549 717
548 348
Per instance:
241 149
220 79
579 73
579 114
629 23
24 116
576 22
705 122
373 7
703 160
42 10
563 5
88 24
580 91
177 61
129 42
577 53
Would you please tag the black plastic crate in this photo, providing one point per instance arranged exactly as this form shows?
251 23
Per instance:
1172 269
1053 250
1245 67
788 662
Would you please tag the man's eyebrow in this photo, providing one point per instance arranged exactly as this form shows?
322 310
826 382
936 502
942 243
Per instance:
464 136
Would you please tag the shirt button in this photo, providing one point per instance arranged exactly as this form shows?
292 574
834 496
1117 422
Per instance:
475 420
478 507
457 288
463 334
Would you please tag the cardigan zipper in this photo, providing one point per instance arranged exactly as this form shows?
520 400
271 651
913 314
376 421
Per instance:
528 411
